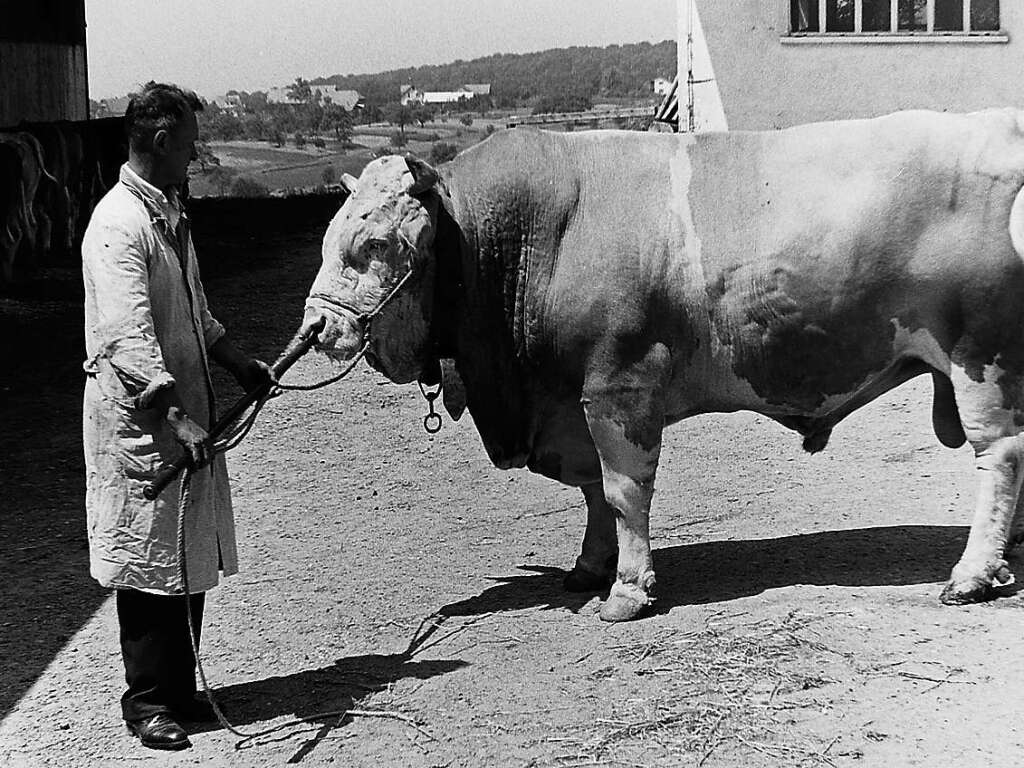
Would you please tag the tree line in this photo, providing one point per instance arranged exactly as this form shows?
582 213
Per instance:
556 80
578 75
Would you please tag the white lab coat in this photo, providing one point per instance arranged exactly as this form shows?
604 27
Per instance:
147 327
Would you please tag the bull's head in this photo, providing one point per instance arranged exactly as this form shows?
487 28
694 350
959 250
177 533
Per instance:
376 280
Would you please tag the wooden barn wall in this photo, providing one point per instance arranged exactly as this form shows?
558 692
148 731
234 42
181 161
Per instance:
43 74
42 81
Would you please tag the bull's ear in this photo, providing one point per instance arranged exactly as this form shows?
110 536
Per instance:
423 176
348 181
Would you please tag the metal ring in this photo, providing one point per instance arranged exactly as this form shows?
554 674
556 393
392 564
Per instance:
432 423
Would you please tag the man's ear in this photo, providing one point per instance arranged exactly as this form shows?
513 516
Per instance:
161 141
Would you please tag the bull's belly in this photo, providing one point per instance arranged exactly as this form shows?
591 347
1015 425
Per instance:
792 387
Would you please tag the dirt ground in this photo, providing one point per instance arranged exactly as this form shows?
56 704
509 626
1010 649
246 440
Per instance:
400 576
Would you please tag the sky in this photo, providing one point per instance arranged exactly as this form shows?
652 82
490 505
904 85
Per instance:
212 46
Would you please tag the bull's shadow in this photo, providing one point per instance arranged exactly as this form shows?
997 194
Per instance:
708 572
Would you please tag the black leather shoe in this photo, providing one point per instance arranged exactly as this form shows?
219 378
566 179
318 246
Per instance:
159 732
197 710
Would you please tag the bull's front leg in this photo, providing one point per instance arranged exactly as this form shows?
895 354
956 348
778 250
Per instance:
999 460
624 405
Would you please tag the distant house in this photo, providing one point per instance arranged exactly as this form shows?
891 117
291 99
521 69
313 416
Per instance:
279 95
230 102
346 99
410 95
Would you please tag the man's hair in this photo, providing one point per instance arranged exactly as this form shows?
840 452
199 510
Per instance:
157 107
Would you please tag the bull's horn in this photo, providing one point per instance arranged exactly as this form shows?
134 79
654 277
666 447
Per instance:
423 176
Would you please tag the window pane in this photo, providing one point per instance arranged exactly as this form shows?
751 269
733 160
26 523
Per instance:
839 16
913 14
877 15
949 15
804 15
985 15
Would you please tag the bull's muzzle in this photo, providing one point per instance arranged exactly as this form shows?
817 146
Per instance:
339 335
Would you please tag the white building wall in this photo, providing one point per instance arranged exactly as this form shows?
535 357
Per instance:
708 111
769 79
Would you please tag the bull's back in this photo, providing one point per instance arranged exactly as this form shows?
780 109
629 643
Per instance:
784 269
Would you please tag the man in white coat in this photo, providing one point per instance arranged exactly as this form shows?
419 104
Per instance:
148 396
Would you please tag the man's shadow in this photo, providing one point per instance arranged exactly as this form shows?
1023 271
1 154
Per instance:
315 701
709 572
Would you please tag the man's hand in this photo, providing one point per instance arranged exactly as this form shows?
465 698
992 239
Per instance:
193 438
253 375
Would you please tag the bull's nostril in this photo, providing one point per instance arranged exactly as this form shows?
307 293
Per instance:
316 327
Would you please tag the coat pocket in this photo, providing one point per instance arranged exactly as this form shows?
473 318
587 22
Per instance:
144 440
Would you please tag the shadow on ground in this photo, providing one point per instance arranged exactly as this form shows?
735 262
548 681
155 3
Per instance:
316 700
258 258
708 572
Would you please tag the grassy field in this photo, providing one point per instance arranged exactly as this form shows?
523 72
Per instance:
286 167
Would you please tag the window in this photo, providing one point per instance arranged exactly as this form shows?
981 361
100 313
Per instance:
894 16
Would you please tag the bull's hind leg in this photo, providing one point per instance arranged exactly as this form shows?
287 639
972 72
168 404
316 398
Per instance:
989 423
595 567
625 414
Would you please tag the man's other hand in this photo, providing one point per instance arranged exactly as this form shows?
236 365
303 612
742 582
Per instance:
193 438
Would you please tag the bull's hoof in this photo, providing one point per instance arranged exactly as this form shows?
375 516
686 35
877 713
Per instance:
625 602
582 580
817 441
961 594
976 589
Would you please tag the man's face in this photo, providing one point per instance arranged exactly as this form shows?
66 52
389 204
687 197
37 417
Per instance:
179 149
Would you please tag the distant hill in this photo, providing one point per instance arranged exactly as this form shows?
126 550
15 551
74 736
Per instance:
616 71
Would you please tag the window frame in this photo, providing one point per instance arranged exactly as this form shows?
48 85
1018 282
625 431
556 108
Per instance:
894 33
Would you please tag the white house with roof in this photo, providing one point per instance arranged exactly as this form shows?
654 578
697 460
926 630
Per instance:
409 94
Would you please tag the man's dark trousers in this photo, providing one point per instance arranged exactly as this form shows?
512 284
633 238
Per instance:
159 664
